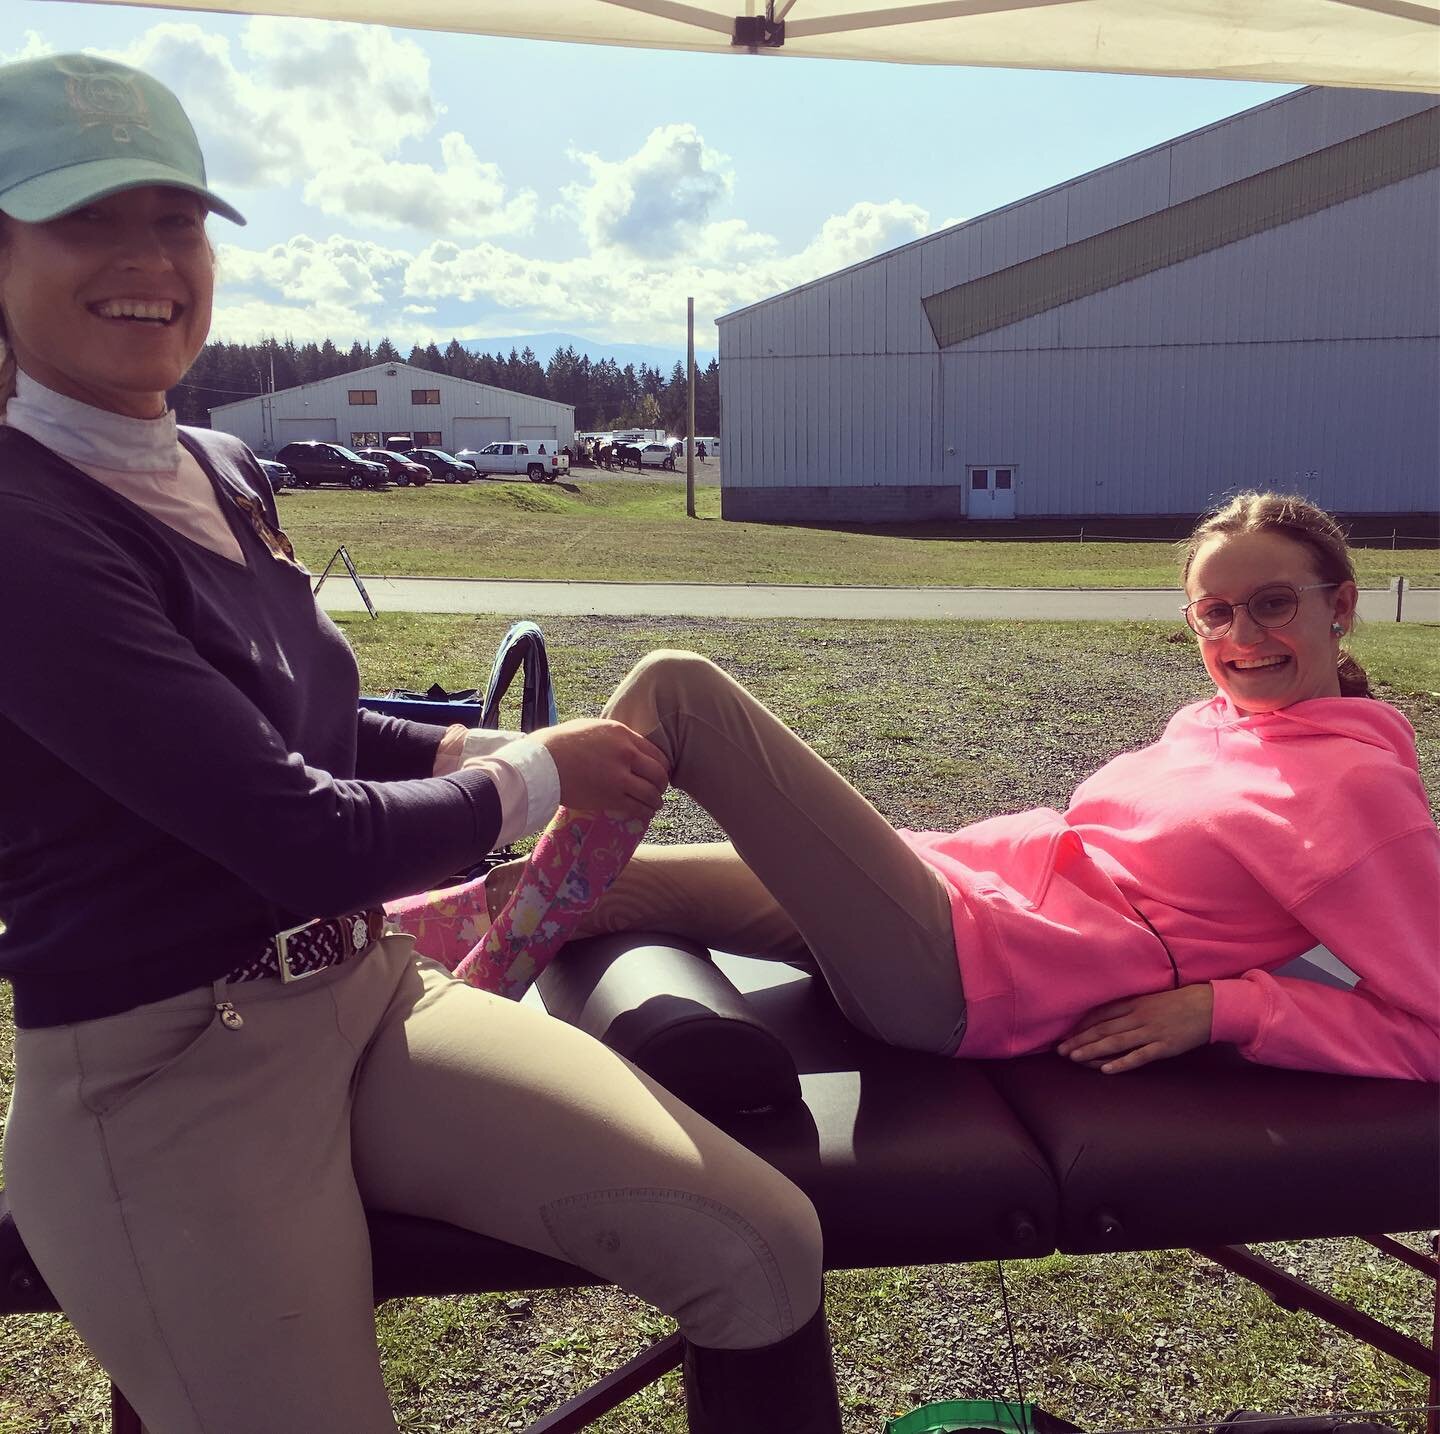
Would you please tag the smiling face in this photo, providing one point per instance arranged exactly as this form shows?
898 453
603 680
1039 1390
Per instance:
1264 669
110 303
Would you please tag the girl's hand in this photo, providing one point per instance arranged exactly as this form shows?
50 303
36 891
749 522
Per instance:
1124 1035
604 766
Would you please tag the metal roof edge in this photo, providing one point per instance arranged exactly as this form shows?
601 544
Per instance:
1240 115
393 363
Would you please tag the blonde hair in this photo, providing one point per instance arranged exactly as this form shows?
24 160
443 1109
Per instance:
1302 522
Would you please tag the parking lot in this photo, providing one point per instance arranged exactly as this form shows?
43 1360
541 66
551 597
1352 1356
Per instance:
706 474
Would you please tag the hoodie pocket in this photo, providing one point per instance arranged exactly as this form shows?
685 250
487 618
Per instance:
1020 853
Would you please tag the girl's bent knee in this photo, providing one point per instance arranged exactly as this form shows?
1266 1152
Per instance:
672 668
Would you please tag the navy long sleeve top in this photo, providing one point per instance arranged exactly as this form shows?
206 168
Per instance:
183 770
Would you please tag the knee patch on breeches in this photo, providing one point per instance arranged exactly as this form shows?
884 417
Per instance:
726 1284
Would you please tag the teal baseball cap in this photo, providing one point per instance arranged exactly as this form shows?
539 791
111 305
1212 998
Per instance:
75 128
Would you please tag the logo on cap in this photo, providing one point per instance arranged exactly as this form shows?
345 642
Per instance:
104 97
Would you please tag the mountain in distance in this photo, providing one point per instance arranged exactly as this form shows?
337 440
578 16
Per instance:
546 345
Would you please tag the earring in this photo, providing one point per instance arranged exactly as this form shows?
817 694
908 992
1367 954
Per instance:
1337 629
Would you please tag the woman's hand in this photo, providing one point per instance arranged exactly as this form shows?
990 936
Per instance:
1124 1035
604 766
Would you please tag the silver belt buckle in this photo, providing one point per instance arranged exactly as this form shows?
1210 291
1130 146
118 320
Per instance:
282 952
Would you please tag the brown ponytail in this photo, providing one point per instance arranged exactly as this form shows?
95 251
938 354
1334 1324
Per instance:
1302 522
7 369
7 358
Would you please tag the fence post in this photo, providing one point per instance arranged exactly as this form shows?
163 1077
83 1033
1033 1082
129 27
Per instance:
1399 585
1082 532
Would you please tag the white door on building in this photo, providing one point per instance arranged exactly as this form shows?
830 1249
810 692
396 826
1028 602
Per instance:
992 493
289 430
477 432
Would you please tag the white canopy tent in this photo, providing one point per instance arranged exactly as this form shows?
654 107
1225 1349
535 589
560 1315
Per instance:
1372 44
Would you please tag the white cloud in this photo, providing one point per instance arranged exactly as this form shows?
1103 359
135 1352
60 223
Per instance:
863 231
328 108
36 47
653 202
315 271
341 288
249 320
466 197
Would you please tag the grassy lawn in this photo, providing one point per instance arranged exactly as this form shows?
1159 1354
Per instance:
635 530
940 724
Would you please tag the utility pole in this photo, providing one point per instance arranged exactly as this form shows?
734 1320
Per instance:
690 407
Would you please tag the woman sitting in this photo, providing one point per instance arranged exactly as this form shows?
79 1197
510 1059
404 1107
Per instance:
1146 919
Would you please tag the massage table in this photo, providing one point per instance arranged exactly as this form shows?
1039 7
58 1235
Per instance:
915 1160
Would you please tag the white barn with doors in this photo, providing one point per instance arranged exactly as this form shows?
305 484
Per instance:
1256 303
391 400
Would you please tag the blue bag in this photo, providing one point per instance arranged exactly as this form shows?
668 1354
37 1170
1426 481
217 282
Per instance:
522 647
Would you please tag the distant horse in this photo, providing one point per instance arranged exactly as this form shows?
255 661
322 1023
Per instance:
604 453
629 453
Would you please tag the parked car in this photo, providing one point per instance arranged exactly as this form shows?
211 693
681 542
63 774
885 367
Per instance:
537 459
442 465
402 469
657 455
279 475
314 461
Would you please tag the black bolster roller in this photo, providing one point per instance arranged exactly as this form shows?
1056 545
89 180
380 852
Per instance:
662 1003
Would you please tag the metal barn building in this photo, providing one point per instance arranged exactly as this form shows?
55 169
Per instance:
390 400
1253 304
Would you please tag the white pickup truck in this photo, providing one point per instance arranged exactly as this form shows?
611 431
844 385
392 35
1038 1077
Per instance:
535 458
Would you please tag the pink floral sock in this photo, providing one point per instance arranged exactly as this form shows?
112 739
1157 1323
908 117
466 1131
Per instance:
446 923
574 864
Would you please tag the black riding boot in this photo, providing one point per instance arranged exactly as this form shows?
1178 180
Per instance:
785 1388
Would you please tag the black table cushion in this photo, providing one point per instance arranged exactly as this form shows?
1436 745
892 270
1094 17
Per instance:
915 1159
1208 1148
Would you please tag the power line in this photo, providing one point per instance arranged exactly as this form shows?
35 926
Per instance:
211 388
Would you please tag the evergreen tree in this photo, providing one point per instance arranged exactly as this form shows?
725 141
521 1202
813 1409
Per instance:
458 360
674 402
308 364
647 412
707 399
386 352
532 376
331 362
282 361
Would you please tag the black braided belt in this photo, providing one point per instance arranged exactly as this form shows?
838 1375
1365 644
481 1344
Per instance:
312 946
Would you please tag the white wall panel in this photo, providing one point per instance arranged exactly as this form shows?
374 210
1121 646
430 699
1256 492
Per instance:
1310 349
271 420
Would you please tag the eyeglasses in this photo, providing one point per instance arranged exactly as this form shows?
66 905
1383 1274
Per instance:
1270 606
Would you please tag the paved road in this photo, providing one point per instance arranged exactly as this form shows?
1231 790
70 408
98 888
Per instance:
571 599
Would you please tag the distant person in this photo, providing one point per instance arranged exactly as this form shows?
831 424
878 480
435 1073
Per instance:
196 1132
1149 918
700 450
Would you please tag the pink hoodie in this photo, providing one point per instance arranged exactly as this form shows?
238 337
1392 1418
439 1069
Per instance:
1245 841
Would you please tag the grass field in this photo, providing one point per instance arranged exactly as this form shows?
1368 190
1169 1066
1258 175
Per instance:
941 724
635 530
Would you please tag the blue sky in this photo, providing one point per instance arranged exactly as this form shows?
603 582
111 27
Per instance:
423 185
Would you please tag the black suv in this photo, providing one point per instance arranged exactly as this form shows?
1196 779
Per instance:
442 465
314 462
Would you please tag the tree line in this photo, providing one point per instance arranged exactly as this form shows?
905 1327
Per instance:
605 395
